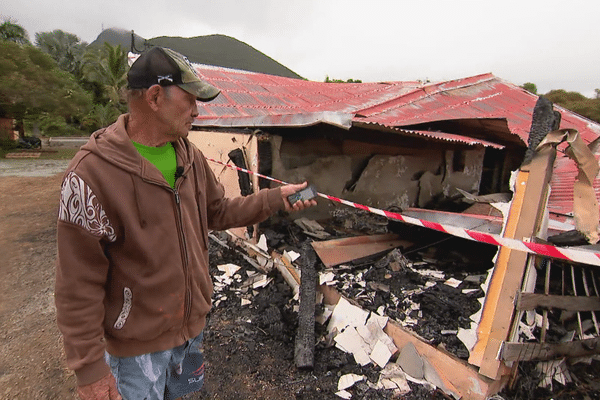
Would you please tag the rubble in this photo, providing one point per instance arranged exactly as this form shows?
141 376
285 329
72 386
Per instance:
422 288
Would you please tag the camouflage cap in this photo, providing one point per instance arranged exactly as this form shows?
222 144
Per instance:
163 66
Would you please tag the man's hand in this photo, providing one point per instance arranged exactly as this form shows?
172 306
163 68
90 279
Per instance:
104 389
299 205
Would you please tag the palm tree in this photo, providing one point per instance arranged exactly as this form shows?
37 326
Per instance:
12 32
108 67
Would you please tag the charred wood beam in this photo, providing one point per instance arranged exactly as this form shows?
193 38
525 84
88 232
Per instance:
549 351
305 337
530 301
237 157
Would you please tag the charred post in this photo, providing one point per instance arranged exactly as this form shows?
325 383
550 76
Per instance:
305 337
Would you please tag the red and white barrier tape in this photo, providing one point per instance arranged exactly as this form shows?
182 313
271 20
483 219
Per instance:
569 254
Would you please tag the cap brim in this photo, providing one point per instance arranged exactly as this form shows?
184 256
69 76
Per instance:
202 90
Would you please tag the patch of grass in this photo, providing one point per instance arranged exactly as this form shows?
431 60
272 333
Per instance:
46 154
58 154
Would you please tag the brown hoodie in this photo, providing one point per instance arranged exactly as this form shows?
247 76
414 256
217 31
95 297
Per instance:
132 270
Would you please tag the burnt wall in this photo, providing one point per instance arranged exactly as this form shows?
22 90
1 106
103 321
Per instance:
375 169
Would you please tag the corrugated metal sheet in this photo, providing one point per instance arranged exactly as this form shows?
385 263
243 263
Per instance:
258 100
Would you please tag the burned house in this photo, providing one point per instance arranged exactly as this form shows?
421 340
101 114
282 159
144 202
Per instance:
422 149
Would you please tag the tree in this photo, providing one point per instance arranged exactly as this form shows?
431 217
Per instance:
31 85
65 48
576 102
12 32
108 68
329 80
530 87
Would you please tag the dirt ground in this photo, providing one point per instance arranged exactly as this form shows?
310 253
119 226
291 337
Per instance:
249 350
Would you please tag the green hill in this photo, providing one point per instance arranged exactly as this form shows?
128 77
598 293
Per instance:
219 50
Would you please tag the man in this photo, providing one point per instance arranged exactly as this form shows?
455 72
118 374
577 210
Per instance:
137 201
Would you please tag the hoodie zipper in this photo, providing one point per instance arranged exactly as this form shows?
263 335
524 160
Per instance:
184 257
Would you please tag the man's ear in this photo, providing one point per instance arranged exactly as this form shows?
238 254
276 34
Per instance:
152 95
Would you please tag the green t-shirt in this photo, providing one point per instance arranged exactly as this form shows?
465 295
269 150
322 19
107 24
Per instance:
162 157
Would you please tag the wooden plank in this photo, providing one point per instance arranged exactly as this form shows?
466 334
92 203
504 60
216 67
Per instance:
549 351
492 298
337 251
524 220
454 373
530 301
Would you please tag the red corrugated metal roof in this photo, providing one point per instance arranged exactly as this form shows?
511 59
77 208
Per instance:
257 100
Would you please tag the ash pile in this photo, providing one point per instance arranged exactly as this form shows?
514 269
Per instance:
376 271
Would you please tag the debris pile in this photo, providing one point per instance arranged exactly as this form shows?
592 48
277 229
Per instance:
426 286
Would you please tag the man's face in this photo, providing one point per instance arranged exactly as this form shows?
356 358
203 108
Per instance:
178 110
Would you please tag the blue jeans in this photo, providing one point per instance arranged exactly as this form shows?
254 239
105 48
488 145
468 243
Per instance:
164 375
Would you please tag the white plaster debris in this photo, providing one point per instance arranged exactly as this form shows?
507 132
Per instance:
392 377
455 283
555 370
381 354
361 334
327 278
245 302
262 244
344 394
228 269
526 330
262 282
446 332
346 314
468 336
430 273
348 380
351 342
291 255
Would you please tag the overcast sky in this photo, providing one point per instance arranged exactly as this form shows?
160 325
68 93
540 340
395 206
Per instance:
554 44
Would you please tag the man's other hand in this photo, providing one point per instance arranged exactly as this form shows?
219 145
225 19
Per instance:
299 205
104 389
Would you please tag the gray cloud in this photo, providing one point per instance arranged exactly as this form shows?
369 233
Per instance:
551 43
